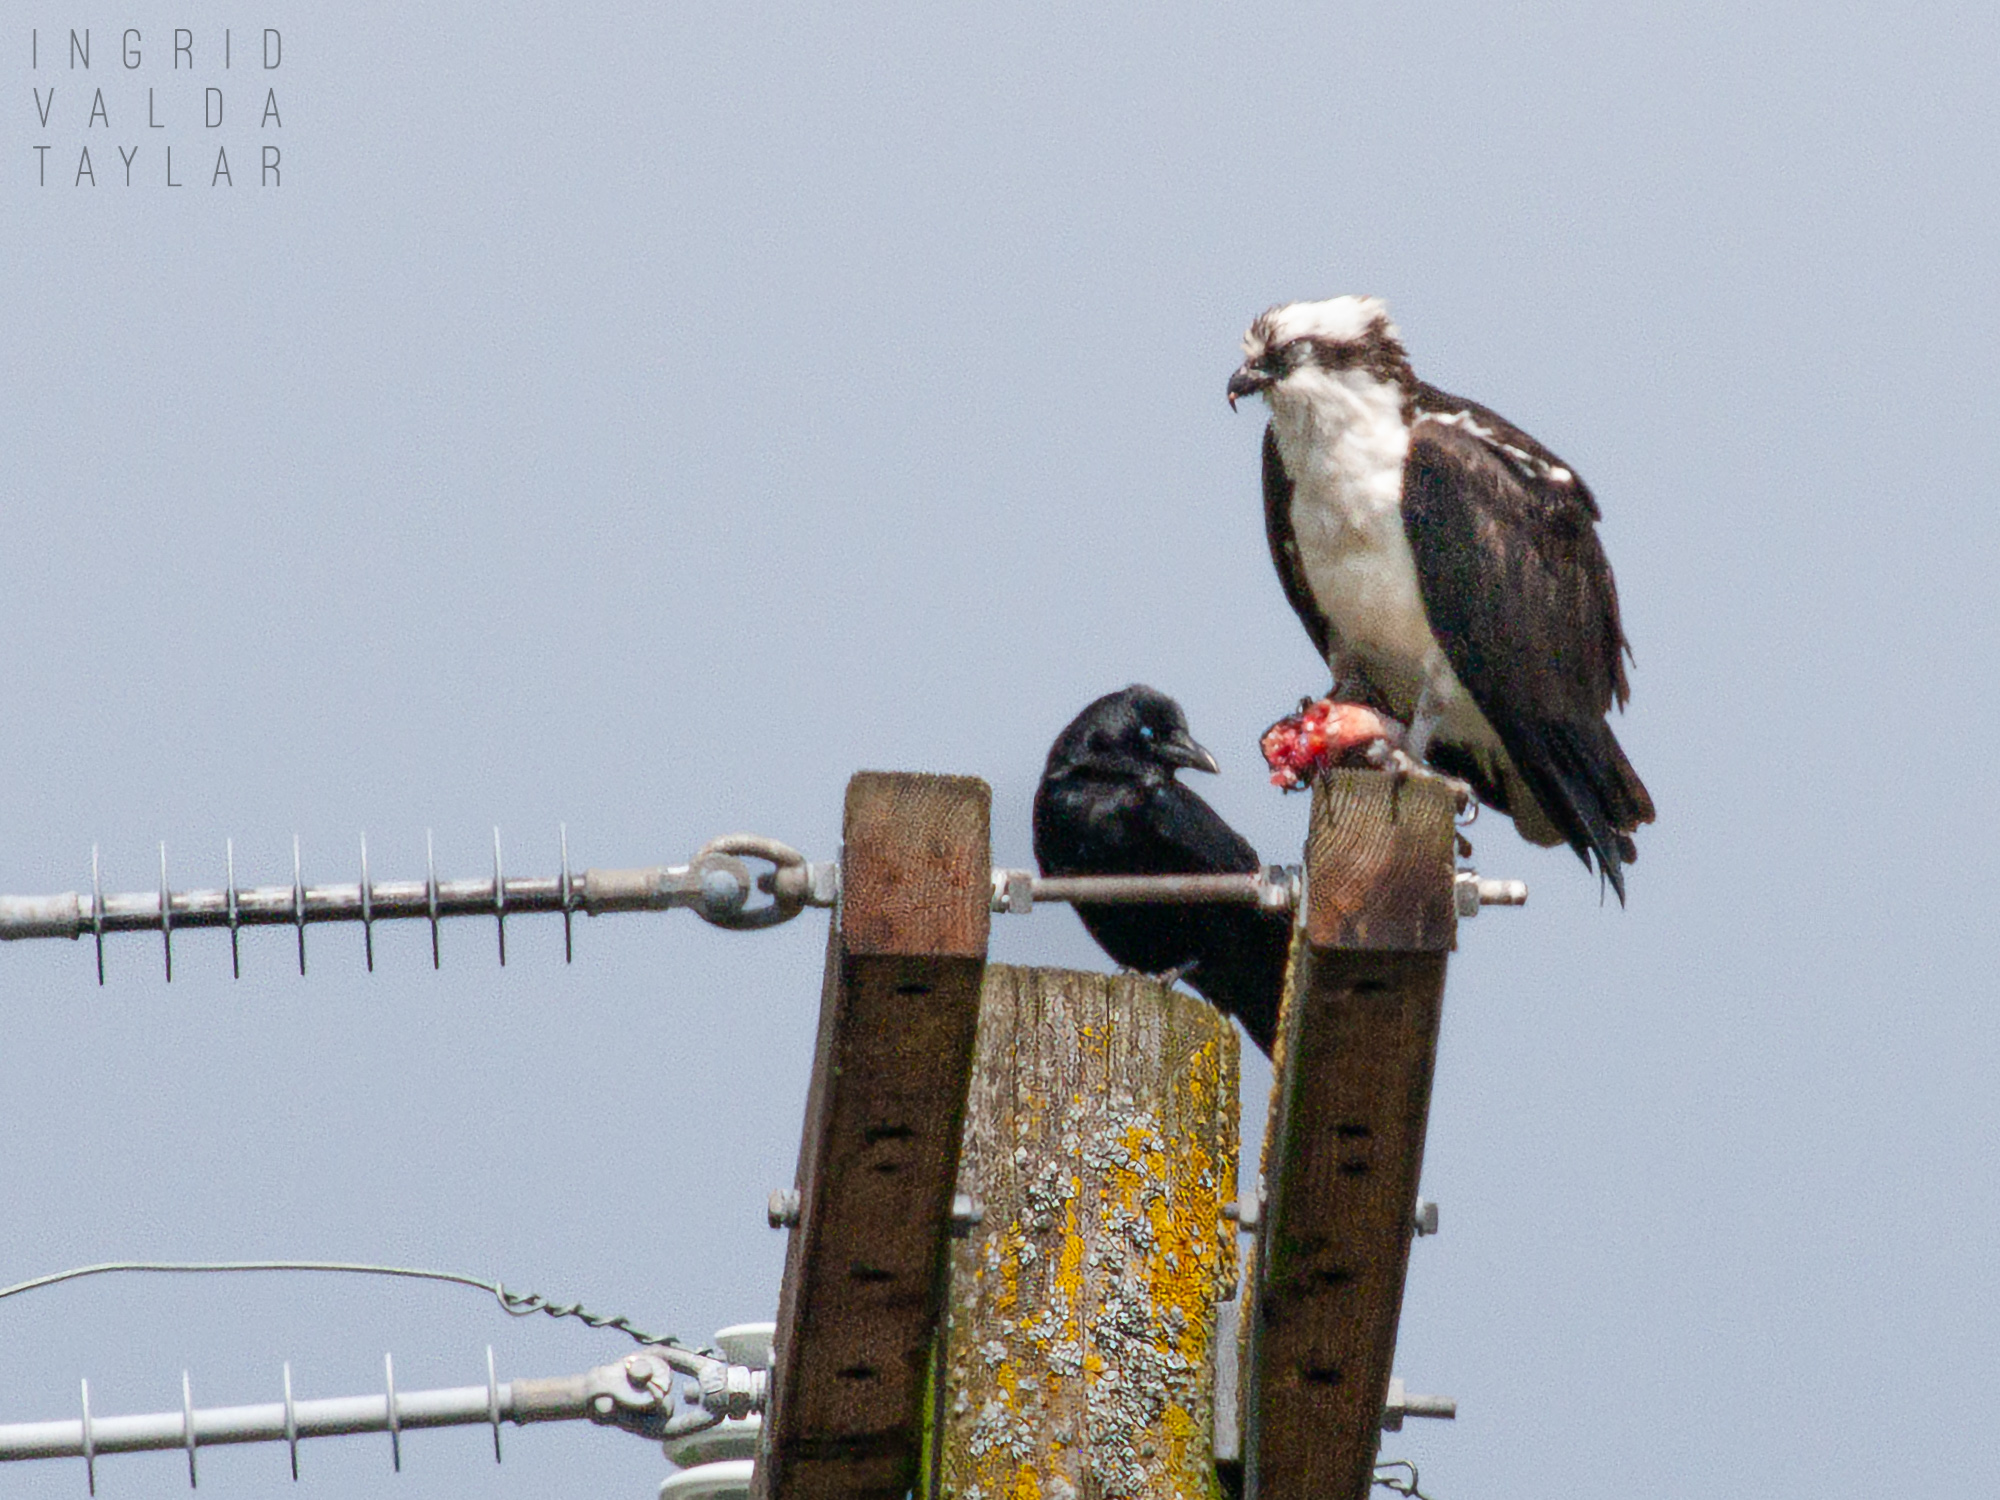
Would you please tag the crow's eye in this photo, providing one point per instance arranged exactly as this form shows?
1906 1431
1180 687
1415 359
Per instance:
1145 731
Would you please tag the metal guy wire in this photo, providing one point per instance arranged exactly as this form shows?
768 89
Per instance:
717 883
514 1304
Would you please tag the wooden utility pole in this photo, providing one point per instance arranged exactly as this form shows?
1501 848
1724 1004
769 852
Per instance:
1100 1141
1099 1123
879 1157
1356 1048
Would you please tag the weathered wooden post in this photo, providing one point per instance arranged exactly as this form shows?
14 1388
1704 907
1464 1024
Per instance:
1356 1048
879 1157
1100 1141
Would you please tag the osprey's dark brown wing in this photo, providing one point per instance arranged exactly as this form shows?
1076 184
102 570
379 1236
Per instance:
1520 595
1285 547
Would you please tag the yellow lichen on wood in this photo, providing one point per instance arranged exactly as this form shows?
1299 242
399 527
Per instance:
1101 1139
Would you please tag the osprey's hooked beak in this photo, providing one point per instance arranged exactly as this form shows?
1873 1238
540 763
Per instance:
1247 381
1179 749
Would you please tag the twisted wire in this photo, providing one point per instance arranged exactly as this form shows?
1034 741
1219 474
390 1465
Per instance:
514 1304
522 1305
1396 1482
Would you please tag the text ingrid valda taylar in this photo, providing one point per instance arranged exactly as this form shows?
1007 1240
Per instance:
159 109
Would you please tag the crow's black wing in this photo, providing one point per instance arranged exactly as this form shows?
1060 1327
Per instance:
1233 955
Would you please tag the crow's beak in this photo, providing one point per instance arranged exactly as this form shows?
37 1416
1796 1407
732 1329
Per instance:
1180 750
1246 382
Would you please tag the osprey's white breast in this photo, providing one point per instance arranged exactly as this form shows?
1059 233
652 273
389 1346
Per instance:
1344 444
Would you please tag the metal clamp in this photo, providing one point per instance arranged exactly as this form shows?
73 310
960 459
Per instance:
793 883
640 1394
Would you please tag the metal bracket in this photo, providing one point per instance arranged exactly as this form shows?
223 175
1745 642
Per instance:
643 1394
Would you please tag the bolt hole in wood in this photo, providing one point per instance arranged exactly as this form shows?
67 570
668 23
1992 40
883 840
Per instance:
913 989
856 1372
1337 1276
1371 986
1320 1374
1354 1169
1353 1132
875 1134
871 1275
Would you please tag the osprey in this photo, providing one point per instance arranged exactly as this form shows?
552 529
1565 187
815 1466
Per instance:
1447 567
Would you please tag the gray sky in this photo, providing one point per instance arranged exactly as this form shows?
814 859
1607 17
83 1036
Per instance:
643 417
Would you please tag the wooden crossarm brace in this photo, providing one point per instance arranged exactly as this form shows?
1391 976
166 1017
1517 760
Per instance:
879 1157
1350 1100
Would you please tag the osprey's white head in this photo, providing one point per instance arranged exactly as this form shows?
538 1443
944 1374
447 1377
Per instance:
1303 349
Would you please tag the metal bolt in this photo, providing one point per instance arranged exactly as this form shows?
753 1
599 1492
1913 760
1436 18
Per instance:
783 1209
967 1214
1402 1403
1245 1218
1426 1217
603 1405
1472 892
721 892
638 1371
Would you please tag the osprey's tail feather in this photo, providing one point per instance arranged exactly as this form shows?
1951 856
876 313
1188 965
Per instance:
1589 791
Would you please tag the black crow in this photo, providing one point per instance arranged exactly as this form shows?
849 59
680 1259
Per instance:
1108 804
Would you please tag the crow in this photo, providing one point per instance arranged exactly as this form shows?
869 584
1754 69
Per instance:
1108 804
